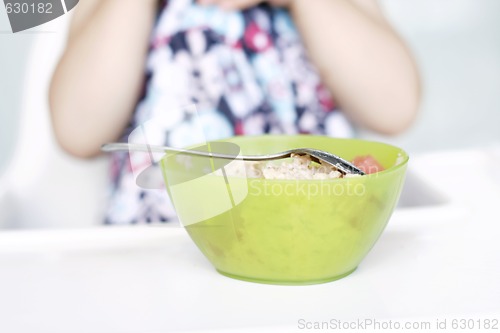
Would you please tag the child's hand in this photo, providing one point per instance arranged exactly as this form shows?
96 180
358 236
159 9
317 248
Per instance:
243 4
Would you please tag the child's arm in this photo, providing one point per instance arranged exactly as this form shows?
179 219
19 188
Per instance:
362 60
98 79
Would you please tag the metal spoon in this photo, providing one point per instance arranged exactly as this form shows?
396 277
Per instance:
316 155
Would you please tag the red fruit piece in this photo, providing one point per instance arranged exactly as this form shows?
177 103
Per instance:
368 164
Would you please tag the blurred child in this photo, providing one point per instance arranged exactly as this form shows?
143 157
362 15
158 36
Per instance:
250 66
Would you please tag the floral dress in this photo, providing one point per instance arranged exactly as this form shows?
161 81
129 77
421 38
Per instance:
247 72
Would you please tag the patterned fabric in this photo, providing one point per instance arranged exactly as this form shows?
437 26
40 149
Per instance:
248 74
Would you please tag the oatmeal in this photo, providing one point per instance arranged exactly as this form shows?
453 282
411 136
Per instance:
298 167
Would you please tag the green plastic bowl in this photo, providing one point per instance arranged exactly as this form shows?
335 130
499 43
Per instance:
291 231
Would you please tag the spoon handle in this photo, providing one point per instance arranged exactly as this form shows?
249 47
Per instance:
113 147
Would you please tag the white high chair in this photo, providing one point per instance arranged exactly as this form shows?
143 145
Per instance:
43 187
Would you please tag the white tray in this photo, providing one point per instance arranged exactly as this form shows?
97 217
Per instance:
140 279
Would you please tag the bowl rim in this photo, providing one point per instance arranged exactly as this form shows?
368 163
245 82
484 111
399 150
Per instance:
387 171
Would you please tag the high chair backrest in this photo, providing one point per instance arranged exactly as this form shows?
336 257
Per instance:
42 186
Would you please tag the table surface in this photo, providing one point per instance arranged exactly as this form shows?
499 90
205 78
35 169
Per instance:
429 264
